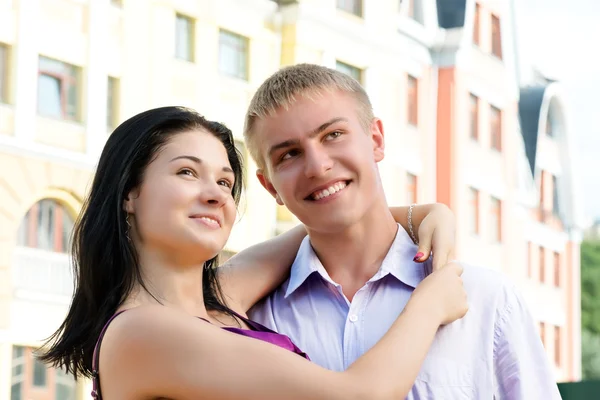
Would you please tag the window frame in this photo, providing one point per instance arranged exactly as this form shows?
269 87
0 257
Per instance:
477 25
474 105
496 128
112 102
496 214
241 48
190 37
66 81
474 202
557 345
353 7
496 36
412 185
352 71
412 103
29 229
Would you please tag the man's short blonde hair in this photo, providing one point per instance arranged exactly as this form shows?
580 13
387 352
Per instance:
282 88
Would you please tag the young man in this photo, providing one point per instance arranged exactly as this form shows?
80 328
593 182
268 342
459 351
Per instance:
312 132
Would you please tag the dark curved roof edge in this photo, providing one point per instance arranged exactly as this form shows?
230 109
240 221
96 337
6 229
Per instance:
530 104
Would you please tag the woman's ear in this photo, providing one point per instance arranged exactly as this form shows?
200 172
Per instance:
128 202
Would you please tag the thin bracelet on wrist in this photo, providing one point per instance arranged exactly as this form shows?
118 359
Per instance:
410 225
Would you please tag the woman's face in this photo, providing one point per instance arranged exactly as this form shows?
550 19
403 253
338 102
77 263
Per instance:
184 206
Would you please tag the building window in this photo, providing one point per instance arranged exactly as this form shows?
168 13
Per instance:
474 211
184 38
543 333
58 89
411 188
47 226
18 372
555 203
542 265
474 110
351 6
413 100
496 37
112 103
557 346
233 55
66 387
476 26
349 70
414 10
3 73
496 128
496 220
556 269
30 375
39 373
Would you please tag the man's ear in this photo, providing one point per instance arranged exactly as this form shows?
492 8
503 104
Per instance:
264 180
377 137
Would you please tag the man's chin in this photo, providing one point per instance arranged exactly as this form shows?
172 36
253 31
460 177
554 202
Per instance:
329 224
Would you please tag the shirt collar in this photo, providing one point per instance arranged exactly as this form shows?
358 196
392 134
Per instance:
398 262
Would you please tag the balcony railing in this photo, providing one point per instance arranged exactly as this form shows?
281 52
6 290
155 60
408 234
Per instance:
41 273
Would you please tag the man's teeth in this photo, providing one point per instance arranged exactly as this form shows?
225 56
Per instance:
329 191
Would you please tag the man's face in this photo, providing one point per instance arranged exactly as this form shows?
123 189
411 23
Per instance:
319 160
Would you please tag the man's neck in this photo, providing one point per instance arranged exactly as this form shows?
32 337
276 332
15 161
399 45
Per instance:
352 256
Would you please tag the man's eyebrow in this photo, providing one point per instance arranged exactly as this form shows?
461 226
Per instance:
327 125
315 132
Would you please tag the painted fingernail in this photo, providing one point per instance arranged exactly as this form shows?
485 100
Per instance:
418 256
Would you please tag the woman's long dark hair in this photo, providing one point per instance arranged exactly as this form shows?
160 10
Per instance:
106 266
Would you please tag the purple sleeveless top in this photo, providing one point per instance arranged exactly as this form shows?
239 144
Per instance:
256 331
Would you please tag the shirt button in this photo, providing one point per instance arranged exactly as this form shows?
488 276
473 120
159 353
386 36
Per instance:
353 318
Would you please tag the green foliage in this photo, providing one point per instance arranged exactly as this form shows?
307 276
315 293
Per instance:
590 286
590 309
590 355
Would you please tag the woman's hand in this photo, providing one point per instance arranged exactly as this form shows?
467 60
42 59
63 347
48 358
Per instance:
435 228
437 233
442 295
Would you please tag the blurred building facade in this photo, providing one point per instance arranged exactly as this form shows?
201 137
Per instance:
461 128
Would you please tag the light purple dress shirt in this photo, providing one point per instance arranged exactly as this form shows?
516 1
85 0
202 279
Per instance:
494 352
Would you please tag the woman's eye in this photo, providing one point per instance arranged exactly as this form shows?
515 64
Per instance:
186 171
226 183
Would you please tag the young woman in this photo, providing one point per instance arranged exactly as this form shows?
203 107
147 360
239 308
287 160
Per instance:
152 316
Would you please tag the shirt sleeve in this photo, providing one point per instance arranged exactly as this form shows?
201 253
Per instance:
521 366
262 312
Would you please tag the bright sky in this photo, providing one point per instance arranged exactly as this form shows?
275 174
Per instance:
561 37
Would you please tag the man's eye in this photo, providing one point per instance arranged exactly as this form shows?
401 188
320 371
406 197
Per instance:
334 135
289 154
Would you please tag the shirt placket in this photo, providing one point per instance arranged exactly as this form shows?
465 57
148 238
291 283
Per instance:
354 329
